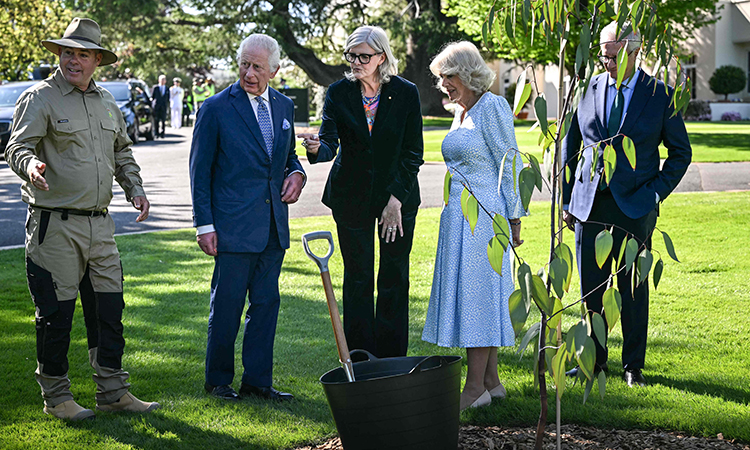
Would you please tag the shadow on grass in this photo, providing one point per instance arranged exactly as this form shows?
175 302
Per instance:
738 142
721 391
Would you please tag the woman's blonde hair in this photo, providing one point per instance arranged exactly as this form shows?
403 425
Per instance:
376 38
463 59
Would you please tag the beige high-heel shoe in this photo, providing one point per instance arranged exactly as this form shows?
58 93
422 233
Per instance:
498 391
483 400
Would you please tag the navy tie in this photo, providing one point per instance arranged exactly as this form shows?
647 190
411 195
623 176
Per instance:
264 120
615 114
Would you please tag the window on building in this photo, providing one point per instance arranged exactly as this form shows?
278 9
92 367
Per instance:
690 70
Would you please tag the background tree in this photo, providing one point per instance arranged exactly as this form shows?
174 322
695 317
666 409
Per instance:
196 33
23 25
727 80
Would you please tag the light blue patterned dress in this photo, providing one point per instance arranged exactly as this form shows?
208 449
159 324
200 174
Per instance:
469 300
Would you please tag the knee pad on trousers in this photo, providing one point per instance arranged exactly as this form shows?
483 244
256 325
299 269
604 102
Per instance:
53 339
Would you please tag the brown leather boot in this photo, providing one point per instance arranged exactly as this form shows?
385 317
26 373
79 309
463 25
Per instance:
129 403
69 410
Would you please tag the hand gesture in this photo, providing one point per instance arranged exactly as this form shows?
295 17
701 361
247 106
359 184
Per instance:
311 142
36 178
141 204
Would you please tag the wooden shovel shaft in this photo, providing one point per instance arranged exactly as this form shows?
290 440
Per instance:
338 330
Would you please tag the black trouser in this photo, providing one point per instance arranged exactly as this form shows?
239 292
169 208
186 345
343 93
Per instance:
634 315
382 330
160 120
104 331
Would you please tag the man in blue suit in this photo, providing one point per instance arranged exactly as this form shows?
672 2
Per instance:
160 98
641 111
244 172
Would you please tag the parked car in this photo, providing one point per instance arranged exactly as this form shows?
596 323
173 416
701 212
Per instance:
135 105
9 93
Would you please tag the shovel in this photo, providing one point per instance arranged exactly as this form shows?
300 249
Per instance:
333 309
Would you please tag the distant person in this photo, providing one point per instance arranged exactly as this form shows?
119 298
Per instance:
160 100
244 172
210 86
469 300
187 100
200 93
283 84
373 180
640 109
175 99
63 129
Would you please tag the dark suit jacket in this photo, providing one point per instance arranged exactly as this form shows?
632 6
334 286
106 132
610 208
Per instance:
161 102
368 169
647 122
234 185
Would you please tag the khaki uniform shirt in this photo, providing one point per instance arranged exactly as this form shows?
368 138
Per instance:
81 137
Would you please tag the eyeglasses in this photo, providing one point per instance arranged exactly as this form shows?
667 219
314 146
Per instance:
605 60
364 58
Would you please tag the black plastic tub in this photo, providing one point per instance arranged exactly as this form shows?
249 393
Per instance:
397 403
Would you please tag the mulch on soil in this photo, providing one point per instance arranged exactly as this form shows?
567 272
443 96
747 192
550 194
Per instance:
574 437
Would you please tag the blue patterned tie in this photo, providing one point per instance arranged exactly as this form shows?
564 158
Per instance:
264 120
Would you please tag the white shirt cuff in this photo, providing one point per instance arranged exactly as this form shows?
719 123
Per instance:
657 197
203 229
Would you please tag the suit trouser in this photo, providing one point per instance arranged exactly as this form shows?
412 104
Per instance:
383 330
160 120
238 276
634 315
65 257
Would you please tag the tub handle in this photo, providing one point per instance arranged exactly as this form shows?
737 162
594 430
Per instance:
370 356
418 367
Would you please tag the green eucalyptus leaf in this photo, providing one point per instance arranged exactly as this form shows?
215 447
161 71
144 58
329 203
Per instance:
558 273
567 173
587 390
495 253
556 315
447 186
623 244
465 194
612 303
629 148
587 358
532 333
540 106
491 17
523 91
484 34
518 311
600 329
631 252
658 269
602 383
622 65
539 294
472 212
594 161
524 282
670 246
526 186
534 163
563 252
558 369
502 232
645 260
610 162
603 247
581 334
509 29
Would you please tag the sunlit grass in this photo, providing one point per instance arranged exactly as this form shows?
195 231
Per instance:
697 361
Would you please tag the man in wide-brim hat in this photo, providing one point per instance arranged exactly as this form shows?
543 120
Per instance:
68 142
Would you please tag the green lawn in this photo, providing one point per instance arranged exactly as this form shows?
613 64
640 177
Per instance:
711 141
697 360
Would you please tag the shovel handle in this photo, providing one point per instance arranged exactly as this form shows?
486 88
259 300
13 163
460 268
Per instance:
333 308
321 261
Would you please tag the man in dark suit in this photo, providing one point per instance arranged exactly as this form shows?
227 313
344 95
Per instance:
642 112
160 99
244 172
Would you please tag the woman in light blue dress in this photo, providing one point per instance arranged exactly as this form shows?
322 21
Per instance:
469 300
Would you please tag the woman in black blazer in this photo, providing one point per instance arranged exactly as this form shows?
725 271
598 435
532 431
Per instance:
374 116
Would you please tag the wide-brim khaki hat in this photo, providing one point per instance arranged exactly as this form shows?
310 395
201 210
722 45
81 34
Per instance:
82 33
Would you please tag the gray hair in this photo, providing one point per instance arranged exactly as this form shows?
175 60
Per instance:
376 38
463 59
264 42
633 39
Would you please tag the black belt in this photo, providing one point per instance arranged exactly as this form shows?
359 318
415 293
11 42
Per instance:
74 212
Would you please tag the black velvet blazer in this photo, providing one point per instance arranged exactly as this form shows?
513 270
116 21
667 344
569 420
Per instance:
368 169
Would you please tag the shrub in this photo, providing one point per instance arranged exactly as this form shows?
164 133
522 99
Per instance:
731 116
698 110
727 80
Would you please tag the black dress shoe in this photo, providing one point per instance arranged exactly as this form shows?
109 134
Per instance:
573 373
634 377
224 392
268 392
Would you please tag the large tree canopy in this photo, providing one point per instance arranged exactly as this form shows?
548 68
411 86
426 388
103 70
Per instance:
23 25
192 33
